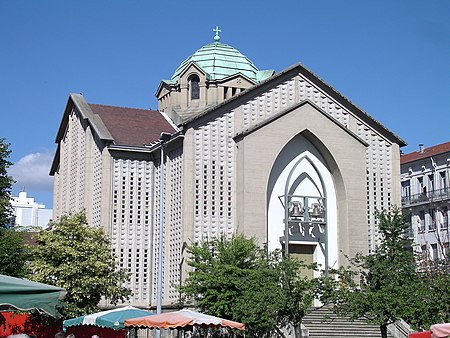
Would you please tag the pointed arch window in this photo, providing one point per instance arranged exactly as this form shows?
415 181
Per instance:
194 87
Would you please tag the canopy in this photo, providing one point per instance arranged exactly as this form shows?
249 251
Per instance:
180 319
113 319
22 294
440 330
422 334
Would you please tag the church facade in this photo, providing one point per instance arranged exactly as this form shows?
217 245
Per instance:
283 157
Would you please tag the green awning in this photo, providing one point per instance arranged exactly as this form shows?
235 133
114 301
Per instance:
25 295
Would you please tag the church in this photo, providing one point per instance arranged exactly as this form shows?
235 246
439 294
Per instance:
283 157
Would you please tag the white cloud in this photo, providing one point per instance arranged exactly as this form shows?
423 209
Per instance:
31 172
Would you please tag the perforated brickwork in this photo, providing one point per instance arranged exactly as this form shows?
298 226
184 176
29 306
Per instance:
131 222
214 173
156 232
174 231
270 103
96 186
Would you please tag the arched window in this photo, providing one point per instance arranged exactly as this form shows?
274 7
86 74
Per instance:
194 87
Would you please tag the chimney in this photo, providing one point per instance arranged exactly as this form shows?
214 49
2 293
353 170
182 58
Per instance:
421 148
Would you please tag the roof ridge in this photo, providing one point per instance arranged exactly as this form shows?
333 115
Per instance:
134 108
424 150
434 150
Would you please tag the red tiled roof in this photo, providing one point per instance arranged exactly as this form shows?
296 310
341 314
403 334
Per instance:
132 126
427 152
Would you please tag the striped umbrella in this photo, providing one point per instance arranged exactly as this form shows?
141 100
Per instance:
113 319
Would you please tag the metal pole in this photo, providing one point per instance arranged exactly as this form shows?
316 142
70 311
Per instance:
161 237
326 236
286 223
286 208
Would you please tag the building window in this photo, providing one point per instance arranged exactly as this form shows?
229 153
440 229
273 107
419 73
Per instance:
194 87
444 218
442 180
430 183
421 221
420 187
432 219
424 250
434 249
406 191
406 188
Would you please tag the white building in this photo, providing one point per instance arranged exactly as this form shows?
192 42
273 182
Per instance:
27 212
282 157
425 184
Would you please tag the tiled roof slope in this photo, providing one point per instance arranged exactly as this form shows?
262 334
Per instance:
426 152
132 126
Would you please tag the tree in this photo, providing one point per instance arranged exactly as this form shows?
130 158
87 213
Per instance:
238 280
298 292
378 287
434 274
6 183
432 296
13 252
78 257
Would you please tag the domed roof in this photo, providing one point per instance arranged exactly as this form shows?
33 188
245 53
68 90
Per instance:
219 61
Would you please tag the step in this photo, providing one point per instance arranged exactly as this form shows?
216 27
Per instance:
323 323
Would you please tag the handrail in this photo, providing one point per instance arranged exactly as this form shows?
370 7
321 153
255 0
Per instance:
400 329
435 195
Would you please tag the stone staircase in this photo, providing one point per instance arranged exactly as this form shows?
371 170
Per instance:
323 323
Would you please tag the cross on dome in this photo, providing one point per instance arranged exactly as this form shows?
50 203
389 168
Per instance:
217 37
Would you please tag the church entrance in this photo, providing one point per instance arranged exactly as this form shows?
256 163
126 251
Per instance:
305 253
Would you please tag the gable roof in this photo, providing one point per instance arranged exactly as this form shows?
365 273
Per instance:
117 125
132 126
425 153
298 68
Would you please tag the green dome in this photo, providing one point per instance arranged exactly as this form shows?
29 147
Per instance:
219 61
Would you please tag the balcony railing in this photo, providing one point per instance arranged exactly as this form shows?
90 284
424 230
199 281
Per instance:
436 195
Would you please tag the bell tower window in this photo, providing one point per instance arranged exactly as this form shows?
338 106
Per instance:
194 87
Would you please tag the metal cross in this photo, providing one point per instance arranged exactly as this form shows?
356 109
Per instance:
217 30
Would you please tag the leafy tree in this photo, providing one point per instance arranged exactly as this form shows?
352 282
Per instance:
298 292
6 183
378 287
237 279
13 252
78 257
432 296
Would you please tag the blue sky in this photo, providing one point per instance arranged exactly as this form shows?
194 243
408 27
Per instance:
389 57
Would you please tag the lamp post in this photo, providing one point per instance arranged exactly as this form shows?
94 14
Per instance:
163 139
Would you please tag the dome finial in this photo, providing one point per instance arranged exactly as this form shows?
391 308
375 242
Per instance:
217 37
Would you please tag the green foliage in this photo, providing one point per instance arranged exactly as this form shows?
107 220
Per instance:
432 294
76 256
298 291
238 280
378 287
6 183
13 252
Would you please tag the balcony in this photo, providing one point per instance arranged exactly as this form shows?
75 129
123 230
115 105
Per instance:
436 195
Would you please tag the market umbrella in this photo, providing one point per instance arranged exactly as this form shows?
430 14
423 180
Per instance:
422 334
113 319
180 319
440 330
25 295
